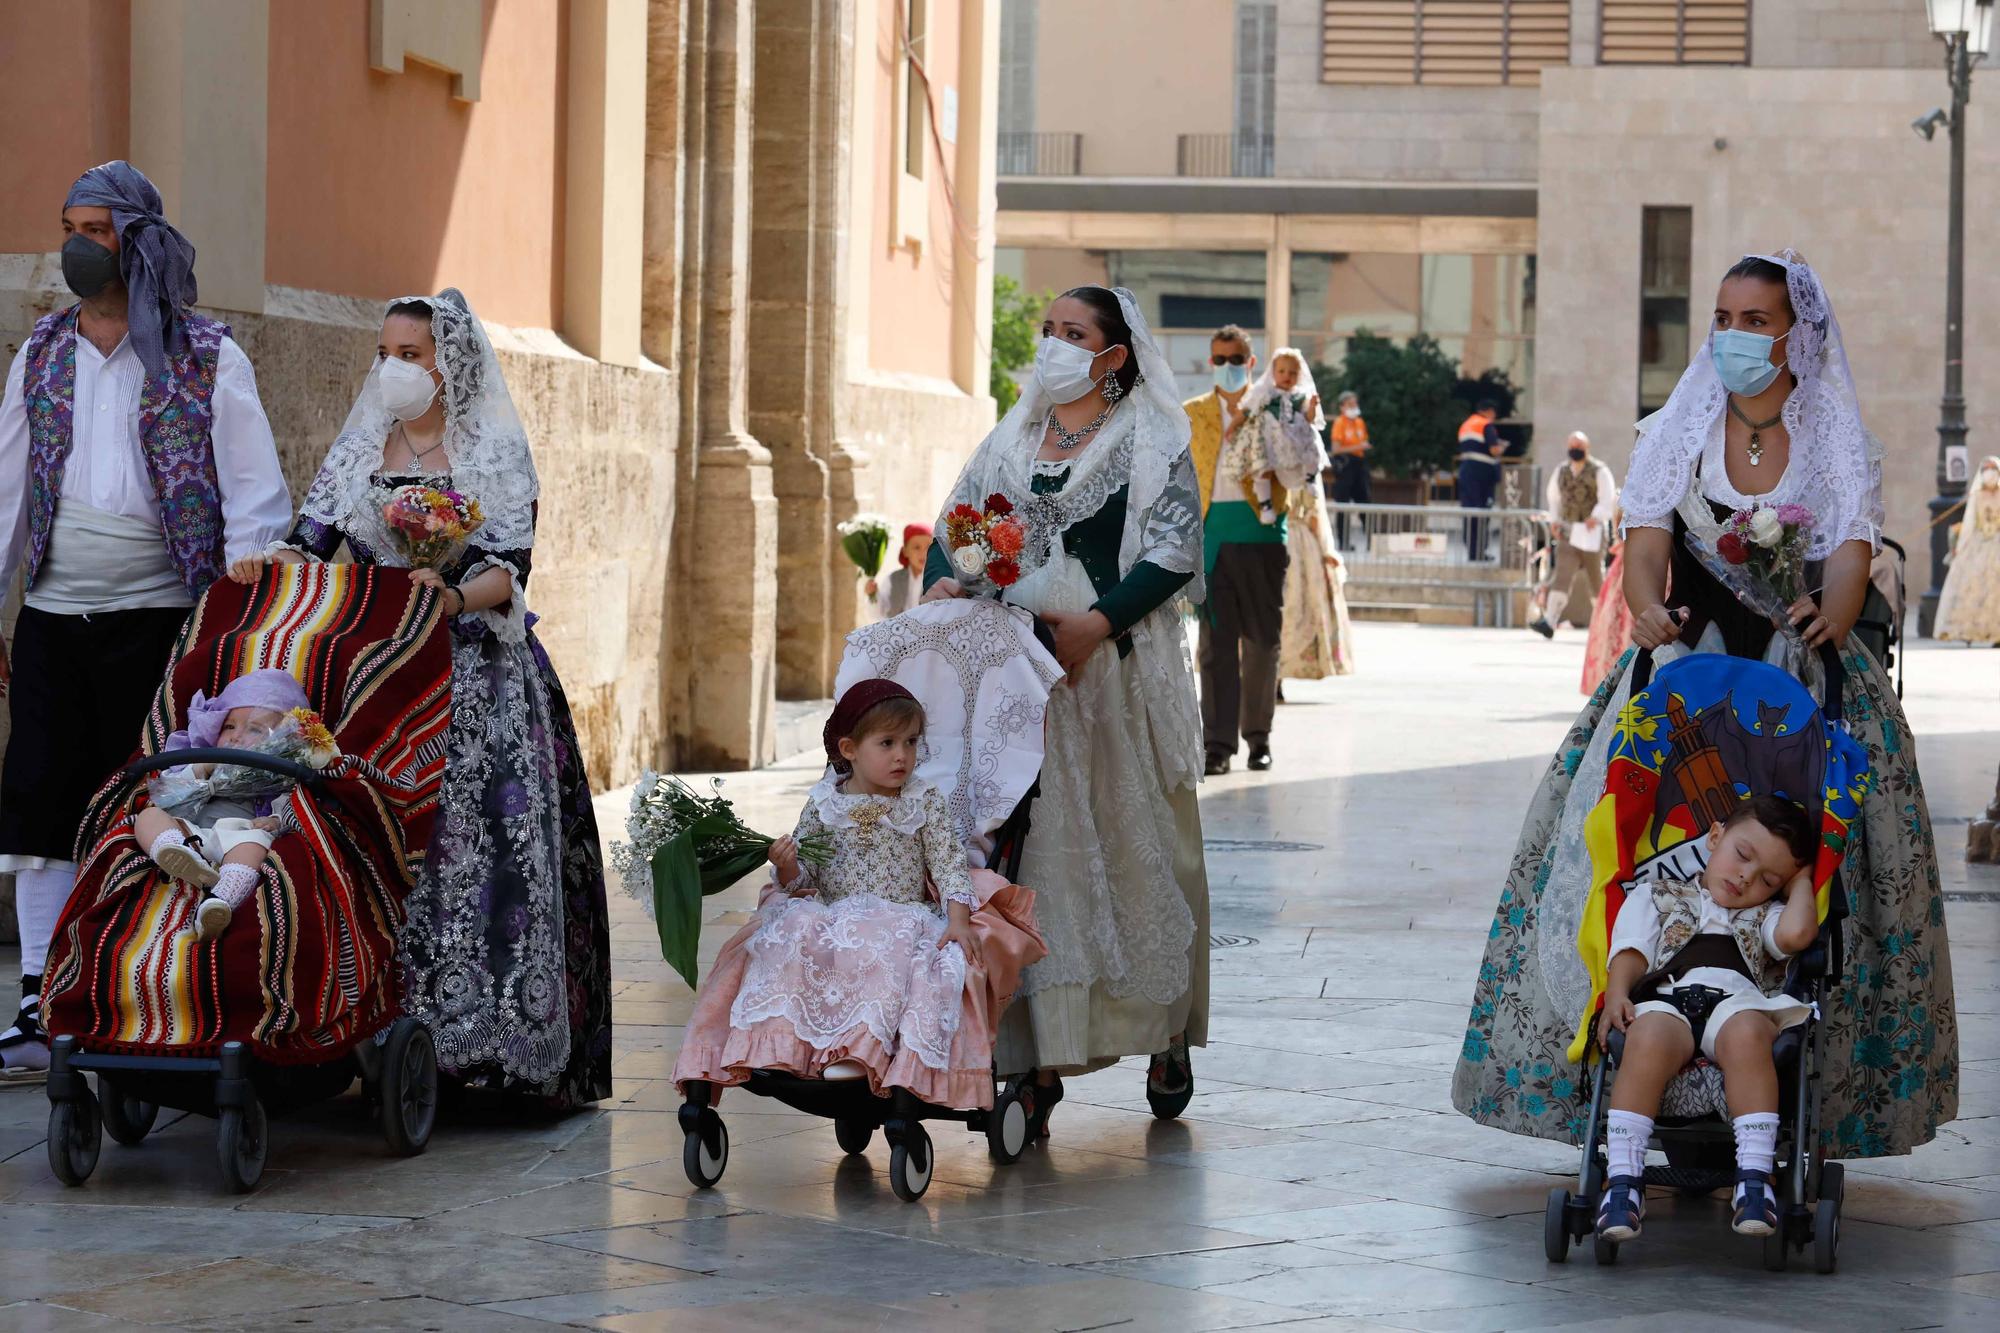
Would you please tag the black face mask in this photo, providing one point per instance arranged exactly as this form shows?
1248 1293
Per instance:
87 267
1576 455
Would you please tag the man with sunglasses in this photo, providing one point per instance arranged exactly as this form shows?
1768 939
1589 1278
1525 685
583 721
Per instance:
1242 624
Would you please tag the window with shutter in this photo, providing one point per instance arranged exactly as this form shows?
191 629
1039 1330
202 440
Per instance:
1674 32
1488 42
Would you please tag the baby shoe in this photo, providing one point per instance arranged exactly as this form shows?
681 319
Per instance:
171 853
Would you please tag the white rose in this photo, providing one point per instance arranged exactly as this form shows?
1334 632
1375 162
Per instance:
969 560
1765 529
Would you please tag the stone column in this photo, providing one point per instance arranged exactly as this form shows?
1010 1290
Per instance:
973 169
729 537
785 209
605 184
833 176
1278 286
200 128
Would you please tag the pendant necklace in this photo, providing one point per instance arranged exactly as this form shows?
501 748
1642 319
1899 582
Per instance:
1067 440
1756 443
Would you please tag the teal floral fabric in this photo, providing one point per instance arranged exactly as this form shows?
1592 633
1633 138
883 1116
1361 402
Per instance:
1889 1076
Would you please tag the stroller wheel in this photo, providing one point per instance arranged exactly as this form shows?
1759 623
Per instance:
1555 1226
1604 1251
126 1119
853 1136
1832 1181
1007 1125
241 1142
1777 1245
1826 1234
705 1154
910 1163
409 1087
75 1138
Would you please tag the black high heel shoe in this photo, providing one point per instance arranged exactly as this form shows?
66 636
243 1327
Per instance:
1043 1100
1170 1080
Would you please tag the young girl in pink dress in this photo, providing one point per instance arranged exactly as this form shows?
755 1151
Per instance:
851 970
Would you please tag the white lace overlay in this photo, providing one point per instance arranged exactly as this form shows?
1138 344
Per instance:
485 446
1101 855
1836 464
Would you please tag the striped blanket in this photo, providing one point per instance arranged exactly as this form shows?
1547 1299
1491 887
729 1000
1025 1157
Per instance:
308 967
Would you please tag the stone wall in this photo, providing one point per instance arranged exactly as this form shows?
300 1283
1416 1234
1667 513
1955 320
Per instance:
1765 158
604 442
1842 34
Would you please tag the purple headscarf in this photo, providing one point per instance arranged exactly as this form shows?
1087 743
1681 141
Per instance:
276 690
156 260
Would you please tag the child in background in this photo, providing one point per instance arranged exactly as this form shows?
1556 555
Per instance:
904 586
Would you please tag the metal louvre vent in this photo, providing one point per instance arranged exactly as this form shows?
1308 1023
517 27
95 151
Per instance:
1674 32
1452 42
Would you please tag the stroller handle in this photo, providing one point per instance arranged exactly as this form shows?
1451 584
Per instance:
290 768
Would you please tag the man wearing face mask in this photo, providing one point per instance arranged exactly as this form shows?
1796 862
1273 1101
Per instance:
1242 625
135 463
1580 498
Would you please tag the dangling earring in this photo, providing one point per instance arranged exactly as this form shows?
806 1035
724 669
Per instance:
1113 390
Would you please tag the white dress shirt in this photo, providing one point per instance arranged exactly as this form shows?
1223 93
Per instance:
106 468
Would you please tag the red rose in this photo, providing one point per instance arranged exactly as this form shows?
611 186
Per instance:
999 504
966 512
1731 548
1003 572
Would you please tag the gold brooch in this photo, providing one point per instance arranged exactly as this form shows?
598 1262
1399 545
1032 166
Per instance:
866 817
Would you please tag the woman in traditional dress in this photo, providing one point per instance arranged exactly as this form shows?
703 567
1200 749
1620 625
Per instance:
1610 619
1766 415
507 943
1094 461
1969 608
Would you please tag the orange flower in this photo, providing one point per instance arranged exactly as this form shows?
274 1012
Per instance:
1006 537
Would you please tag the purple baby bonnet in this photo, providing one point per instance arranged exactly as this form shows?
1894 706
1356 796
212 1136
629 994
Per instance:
271 688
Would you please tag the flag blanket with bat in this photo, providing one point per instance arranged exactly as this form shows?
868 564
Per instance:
1709 731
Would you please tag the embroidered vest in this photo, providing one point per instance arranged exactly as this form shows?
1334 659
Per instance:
175 416
1679 906
1578 492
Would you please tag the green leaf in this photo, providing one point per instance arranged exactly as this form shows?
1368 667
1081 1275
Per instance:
677 894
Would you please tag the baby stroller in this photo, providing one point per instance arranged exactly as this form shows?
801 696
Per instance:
1708 729
983 678
300 992
1880 624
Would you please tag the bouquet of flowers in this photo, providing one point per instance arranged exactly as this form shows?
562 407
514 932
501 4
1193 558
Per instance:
431 526
1770 541
685 846
865 538
302 737
986 544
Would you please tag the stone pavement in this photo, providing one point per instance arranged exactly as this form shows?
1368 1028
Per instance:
1319 1180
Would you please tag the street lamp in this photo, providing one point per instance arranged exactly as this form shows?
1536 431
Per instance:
1967 29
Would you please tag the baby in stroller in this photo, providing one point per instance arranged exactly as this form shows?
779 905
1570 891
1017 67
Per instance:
853 971
203 814
1700 966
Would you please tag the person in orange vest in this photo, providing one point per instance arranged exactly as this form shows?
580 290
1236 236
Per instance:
1350 462
1479 450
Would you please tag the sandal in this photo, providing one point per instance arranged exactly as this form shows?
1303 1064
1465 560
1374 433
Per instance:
1621 1209
1753 1214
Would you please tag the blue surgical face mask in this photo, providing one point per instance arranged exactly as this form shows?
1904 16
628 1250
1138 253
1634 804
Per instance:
1743 360
1230 378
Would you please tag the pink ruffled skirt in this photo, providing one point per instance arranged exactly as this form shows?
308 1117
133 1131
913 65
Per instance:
809 983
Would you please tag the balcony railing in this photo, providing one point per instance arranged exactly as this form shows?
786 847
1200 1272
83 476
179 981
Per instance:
1225 155
1041 153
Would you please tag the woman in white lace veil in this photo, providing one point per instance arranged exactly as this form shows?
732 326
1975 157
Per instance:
1093 461
507 942
1766 414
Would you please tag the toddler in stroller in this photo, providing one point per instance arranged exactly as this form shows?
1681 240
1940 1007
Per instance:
300 994
1725 785
853 994
204 813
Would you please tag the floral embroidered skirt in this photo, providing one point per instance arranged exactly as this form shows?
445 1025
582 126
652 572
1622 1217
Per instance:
1890 1074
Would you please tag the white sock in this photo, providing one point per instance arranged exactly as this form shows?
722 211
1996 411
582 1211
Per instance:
236 885
39 896
172 837
1625 1135
1756 1141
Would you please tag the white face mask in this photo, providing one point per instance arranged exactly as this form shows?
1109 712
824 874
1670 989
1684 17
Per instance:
405 388
1063 369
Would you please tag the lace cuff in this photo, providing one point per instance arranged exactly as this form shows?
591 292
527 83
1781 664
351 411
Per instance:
509 620
310 557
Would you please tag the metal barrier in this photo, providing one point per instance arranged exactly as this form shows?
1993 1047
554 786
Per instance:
1402 557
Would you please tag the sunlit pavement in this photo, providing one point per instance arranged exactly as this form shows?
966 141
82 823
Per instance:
1319 1180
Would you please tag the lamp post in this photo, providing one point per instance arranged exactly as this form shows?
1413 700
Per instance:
1967 29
